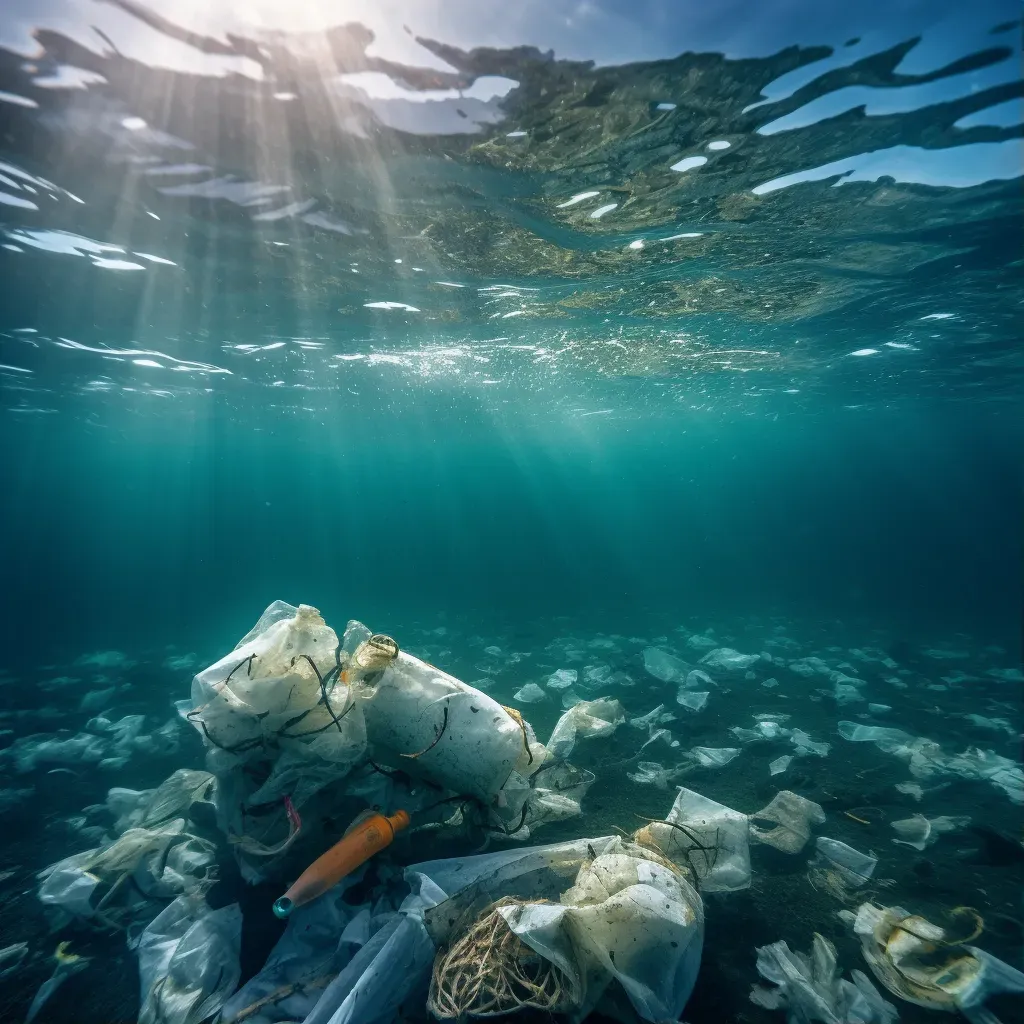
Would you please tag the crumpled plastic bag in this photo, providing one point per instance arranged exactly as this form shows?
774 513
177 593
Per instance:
792 815
852 866
125 879
589 719
809 988
175 797
628 918
651 773
188 961
708 838
278 721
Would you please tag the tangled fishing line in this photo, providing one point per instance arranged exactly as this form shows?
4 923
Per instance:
490 972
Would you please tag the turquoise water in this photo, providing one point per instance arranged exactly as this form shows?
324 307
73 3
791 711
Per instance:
557 328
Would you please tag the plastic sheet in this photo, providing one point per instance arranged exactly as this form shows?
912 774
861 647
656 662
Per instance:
713 757
725 659
562 679
627 919
664 666
854 867
651 773
188 961
125 882
691 700
531 693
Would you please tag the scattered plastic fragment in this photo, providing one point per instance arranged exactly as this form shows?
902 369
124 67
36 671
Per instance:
651 718
805 746
664 666
651 773
709 838
713 757
691 700
701 643
809 987
562 679
911 789
531 693
854 867
586 718
792 815
725 659
808 667
921 832
11 958
189 961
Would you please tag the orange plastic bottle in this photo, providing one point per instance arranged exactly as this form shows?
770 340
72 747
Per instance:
358 845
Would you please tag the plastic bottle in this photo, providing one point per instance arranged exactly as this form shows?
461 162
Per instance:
363 839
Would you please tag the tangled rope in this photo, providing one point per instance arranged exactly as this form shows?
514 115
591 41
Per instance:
489 972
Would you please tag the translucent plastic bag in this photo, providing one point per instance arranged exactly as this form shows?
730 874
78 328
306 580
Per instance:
712 841
627 919
792 815
188 961
278 722
588 719
809 988
175 797
125 881
280 690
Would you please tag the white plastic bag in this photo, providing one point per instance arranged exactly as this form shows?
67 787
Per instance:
431 724
626 919
589 719
809 988
188 961
713 841
792 815
278 722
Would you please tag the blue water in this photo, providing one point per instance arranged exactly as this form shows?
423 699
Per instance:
520 322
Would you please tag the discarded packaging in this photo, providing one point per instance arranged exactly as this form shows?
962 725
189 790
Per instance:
921 963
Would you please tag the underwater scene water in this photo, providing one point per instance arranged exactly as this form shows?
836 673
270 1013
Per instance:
646 377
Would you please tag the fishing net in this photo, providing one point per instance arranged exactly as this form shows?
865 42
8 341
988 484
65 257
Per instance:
490 972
